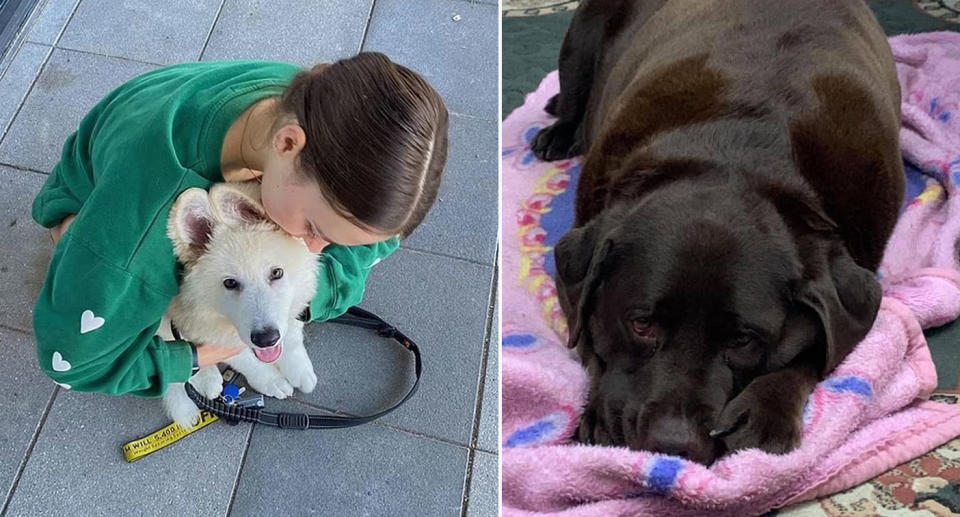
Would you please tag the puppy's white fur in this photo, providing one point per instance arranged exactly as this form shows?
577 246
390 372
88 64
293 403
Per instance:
226 234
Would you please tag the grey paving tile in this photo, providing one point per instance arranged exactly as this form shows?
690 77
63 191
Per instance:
361 471
69 86
463 220
452 44
25 248
26 392
484 486
303 33
488 435
77 467
17 79
51 21
438 302
156 32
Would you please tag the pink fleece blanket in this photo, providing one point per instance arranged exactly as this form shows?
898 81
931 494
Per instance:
868 416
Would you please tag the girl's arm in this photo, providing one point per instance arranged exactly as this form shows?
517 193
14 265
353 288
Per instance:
342 277
95 319
90 337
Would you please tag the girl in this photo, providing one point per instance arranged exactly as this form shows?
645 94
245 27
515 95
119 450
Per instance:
350 155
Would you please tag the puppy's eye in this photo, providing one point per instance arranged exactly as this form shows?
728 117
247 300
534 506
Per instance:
231 284
276 274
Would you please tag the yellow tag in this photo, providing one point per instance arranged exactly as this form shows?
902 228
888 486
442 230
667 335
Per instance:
137 449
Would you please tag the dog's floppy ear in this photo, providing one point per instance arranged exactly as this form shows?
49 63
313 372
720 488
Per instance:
191 224
579 258
798 209
846 298
236 204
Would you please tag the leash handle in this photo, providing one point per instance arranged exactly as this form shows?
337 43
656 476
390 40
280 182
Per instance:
355 317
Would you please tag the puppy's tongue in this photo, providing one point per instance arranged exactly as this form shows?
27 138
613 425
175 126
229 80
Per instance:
269 354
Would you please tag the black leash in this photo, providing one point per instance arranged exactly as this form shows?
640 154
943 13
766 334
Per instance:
355 317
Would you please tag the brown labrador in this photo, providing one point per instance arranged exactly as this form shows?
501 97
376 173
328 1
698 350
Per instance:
741 178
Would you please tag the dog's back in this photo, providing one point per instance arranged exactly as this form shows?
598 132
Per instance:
804 86
775 48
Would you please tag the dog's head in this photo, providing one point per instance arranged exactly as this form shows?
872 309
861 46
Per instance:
676 302
241 266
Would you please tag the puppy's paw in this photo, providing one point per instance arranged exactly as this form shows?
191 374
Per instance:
208 381
556 142
183 412
301 376
269 382
757 419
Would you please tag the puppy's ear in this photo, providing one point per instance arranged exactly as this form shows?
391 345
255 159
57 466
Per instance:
846 298
580 257
190 224
237 204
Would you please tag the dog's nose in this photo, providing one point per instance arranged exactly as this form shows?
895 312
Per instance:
681 437
265 337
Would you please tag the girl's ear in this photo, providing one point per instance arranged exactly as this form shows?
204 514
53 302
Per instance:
190 225
237 204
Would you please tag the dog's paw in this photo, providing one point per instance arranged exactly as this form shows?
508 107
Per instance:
757 419
269 382
184 412
551 106
208 381
556 142
603 423
301 376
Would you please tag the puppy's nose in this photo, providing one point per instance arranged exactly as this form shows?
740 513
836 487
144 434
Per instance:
681 437
265 337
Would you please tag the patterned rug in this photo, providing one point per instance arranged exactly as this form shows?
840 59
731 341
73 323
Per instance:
513 8
928 486
948 10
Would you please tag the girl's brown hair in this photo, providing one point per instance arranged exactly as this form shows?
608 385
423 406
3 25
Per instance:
376 139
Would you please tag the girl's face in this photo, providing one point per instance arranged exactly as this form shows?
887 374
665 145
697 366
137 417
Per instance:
299 207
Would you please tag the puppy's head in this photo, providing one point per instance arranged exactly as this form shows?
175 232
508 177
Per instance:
240 265
675 303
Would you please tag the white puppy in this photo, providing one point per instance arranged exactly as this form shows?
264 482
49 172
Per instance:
245 282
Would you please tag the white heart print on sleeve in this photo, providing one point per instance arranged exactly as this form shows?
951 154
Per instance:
89 322
59 363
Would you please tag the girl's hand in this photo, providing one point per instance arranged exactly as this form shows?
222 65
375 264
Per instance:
57 231
209 355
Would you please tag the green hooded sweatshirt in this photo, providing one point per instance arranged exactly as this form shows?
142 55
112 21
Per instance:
114 272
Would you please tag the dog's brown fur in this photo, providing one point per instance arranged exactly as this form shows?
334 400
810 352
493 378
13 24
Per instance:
791 110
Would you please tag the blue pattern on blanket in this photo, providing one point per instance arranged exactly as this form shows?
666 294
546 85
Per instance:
520 341
849 384
663 473
558 221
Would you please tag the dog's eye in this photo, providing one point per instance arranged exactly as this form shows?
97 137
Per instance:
743 340
231 284
276 274
744 351
643 328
